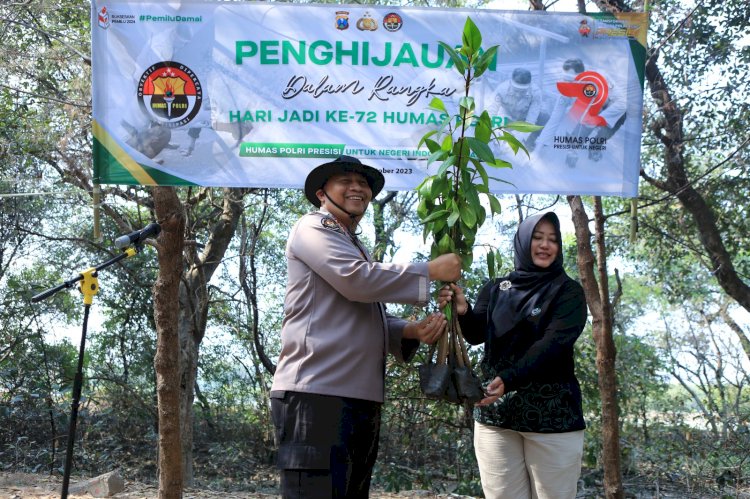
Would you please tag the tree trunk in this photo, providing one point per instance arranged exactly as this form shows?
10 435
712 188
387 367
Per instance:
249 238
729 321
597 296
192 327
193 313
383 237
170 215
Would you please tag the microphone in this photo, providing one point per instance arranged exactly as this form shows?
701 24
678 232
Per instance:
138 236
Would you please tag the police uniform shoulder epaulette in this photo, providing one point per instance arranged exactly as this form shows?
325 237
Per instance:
330 223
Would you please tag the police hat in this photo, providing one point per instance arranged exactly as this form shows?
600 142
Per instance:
343 164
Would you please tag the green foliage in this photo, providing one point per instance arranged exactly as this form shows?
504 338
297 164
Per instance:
449 201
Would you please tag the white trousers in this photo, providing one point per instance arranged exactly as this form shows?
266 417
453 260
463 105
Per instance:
521 465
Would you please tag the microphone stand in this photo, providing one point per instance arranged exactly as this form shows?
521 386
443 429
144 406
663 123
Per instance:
89 288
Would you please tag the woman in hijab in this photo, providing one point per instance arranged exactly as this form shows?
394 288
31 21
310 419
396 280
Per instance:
528 434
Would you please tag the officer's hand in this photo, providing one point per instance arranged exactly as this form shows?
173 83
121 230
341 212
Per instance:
428 330
445 268
452 292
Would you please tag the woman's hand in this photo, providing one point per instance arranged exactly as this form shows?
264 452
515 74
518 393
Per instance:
428 330
452 292
494 391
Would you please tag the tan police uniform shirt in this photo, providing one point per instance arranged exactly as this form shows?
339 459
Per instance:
335 331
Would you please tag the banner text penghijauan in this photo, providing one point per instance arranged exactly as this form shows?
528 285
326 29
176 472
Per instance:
323 52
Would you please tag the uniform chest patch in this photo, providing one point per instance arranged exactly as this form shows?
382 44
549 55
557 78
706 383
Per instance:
330 224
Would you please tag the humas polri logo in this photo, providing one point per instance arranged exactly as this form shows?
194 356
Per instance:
170 93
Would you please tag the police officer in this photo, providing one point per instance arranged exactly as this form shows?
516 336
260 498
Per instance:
328 387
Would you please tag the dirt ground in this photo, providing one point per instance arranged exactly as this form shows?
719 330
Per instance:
38 486
42 486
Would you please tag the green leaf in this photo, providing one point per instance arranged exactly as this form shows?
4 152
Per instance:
454 217
438 187
486 119
449 204
468 233
481 215
436 156
484 61
461 151
512 141
495 206
434 251
435 215
445 245
467 103
458 62
425 232
500 163
466 261
446 122
485 178
425 137
483 130
522 126
425 187
471 196
447 163
447 143
468 240
472 37
466 182
438 226
422 209
468 216
448 312
481 149
437 104
432 146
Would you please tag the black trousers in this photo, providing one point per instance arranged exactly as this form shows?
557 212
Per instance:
327 445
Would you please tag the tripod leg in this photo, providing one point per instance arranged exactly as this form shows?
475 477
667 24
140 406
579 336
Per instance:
77 383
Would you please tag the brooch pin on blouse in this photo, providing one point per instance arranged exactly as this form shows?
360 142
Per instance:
505 285
536 311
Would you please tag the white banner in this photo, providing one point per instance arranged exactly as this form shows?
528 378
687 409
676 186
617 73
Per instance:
256 94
